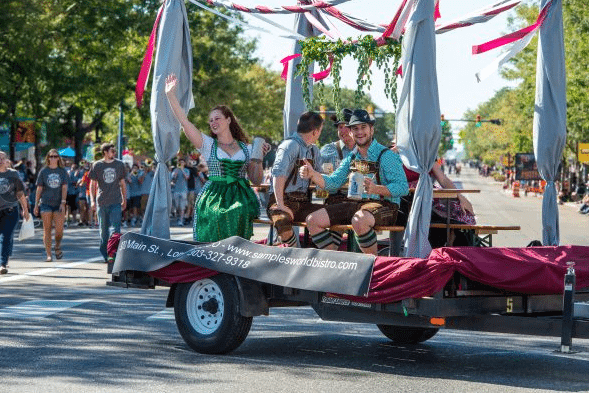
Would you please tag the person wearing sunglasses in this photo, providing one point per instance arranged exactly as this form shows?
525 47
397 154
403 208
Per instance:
50 201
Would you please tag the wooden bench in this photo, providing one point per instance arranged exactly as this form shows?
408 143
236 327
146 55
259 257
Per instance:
341 228
482 234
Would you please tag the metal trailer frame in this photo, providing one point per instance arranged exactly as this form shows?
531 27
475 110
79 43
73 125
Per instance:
473 307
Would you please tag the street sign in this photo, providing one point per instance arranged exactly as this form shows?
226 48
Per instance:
584 152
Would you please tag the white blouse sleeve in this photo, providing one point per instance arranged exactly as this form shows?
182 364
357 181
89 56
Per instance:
207 145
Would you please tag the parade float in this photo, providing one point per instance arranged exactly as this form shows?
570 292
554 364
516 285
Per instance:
217 288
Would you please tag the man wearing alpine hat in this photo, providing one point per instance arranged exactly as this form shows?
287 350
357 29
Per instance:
384 184
335 152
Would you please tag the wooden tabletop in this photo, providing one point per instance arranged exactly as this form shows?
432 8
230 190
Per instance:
438 192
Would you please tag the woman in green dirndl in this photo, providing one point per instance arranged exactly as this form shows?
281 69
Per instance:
226 205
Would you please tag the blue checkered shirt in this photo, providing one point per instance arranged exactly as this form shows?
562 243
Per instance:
391 172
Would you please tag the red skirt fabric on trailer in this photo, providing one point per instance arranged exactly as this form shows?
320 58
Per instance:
533 270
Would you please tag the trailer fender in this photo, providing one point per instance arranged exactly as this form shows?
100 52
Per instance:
252 300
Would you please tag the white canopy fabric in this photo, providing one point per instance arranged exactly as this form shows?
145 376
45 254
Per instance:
174 55
418 120
550 115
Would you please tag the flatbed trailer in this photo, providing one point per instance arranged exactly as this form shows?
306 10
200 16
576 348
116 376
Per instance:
214 314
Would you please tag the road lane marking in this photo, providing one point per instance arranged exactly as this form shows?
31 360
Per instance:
165 314
39 308
42 272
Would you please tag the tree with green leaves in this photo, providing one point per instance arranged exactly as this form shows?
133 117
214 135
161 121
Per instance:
516 105
446 139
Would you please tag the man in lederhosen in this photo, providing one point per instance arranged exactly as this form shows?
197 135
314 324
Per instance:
290 199
384 184
333 153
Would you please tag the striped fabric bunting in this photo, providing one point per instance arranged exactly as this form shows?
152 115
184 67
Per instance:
147 59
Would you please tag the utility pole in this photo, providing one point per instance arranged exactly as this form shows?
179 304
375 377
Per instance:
12 134
121 127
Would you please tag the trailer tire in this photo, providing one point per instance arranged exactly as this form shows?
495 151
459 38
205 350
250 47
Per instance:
207 315
407 334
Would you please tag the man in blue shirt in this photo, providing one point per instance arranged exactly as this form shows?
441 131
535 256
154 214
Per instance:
382 191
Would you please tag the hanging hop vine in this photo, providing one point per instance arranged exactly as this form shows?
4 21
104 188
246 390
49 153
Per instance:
365 51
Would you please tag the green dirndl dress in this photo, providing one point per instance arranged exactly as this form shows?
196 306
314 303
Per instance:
227 204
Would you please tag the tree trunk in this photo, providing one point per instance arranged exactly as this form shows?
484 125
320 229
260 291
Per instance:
81 131
79 134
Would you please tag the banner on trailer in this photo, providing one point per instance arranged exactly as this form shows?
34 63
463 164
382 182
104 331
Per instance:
310 269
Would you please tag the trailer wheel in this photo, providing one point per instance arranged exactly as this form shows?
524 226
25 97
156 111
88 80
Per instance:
207 315
407 334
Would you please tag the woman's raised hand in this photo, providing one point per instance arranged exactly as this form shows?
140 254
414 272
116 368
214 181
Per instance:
171 83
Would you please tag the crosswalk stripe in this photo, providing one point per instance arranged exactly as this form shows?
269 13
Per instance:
42 272
39 308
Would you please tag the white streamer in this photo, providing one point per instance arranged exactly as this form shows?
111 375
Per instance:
479 16
517 47
279 26
293 36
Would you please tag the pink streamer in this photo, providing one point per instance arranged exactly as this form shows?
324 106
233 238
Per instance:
516 35
437 14
393 24
325 73
285 64
147 59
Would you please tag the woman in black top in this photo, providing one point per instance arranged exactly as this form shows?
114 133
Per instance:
11 193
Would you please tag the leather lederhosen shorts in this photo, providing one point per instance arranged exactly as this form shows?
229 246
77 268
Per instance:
298 202
384 212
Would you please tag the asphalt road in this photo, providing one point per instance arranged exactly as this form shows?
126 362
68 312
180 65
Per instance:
63 329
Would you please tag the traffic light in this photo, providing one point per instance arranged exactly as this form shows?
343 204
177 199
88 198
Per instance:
478 123
322 111
443 121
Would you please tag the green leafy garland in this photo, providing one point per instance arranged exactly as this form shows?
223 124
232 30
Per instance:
364 50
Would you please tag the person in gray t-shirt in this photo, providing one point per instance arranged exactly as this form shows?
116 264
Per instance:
108 193
50 200
11 193
180 177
